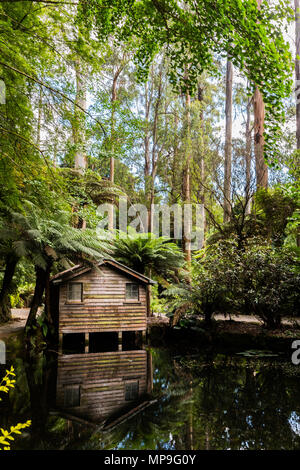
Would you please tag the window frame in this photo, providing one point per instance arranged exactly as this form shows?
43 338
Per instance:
68 292
133 299
131 384
71 388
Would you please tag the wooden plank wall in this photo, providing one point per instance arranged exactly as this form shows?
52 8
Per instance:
104 307
102 378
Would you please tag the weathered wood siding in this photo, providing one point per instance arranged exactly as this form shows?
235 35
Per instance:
104 306
102 378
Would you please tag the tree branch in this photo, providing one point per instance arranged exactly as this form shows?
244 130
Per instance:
53 90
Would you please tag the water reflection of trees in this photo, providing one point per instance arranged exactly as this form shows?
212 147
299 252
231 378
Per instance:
203 402
219 403
245 406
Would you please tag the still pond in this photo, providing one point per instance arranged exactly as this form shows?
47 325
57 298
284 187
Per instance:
152 399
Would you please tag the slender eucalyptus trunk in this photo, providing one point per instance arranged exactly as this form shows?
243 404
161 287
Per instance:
202 161
248 159
112 134
259 121
148 99
79 119
151 156
154 161
228 143
78 132
10 268
187 181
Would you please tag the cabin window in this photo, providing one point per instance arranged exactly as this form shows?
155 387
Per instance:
132 292
75 291
131 391
72 395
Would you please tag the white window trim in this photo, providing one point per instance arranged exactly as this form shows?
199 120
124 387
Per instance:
74 301
135 301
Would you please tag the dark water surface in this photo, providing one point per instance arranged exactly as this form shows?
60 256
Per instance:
153 399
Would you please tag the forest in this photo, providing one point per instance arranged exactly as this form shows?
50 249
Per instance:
160 103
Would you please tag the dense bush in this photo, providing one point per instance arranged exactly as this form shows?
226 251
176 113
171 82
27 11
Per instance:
260 280
270 284
213 287
274 217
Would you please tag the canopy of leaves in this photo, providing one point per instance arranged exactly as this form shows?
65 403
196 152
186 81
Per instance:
193 33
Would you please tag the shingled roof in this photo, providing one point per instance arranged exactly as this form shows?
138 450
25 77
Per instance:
80 269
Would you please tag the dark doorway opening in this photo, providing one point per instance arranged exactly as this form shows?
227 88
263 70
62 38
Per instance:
103 342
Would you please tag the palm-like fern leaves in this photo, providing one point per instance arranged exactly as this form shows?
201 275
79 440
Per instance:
144 253
43 239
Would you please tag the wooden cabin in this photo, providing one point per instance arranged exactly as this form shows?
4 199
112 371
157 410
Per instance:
106 298
103 388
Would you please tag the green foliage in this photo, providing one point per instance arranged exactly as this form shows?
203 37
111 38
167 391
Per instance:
275 208
89 187
6 436
21 298
44 240
153 52
212 287
274 215
145 253
193 33
259 280
269 284
157 302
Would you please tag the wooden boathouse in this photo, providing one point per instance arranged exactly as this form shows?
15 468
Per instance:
105 298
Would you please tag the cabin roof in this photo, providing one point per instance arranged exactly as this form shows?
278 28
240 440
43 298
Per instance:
80 269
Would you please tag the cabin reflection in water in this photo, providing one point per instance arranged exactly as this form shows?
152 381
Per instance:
104 388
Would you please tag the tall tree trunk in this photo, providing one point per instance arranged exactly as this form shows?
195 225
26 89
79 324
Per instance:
147 166
148 101
248 159
228 143
259 118
151 158
112 134
259 121
38 130
175 162
186 186
78 131
79 119
202 160
297 70
41 276
154 157
10 268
